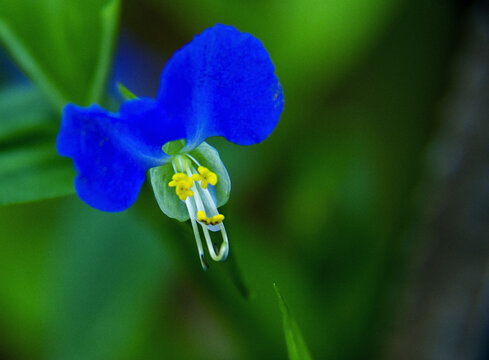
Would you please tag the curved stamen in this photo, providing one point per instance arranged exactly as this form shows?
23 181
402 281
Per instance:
225 239
223 250
190 209
202 203
200 248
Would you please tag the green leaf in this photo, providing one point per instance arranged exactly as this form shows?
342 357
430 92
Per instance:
23 110
109 17
64 46
296 346
34 172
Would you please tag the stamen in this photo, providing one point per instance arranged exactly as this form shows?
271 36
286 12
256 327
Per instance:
224 249
225 244
182 184
205 176
188 191
214 220
201 216
190 209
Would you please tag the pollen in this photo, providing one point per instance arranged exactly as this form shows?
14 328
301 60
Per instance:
214 220
205 176
182 184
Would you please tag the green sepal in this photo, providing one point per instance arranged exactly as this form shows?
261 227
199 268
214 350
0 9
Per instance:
173 147
125 92
166 196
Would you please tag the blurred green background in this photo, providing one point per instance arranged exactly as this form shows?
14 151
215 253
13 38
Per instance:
325 207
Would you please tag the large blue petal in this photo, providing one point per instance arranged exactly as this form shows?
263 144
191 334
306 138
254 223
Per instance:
113 151
222 84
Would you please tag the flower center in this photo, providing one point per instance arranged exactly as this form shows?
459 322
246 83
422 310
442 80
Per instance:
191 186
205 176
182 184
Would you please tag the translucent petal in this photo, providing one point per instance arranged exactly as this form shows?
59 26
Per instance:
166 197
208 156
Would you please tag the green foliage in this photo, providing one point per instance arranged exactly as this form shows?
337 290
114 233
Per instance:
34 172
296 345
24 112
308 40
63 46
30 168
105 296
78 291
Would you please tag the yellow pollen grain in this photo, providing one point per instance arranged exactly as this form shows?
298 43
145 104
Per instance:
205 176
216 219
182 184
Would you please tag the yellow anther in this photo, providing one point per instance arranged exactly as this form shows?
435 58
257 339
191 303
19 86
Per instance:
182 184
205 176
201 216
216 219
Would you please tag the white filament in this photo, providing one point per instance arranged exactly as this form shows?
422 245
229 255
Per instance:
197 203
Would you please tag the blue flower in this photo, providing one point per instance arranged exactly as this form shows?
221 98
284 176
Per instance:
220 84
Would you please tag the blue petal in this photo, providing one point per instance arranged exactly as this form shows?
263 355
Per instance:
222 84
113 151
